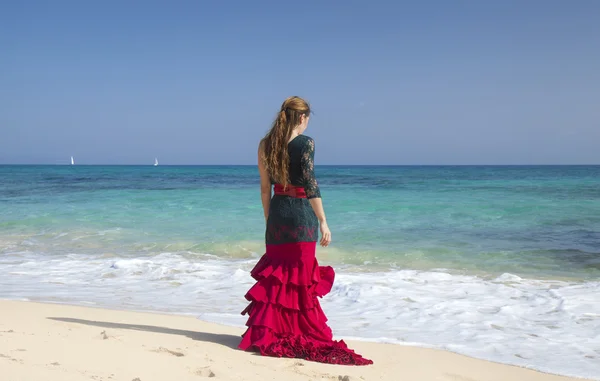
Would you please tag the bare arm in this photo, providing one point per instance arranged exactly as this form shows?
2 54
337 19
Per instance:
317 205
265 184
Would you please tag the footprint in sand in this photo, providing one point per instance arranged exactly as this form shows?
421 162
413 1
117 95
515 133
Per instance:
204 372
11 358
105 336
349 378
165 350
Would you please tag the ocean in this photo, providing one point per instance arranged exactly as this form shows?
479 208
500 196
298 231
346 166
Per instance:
495 262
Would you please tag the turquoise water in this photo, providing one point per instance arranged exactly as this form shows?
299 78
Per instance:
533 221
501 263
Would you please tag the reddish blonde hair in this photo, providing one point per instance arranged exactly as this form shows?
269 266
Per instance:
274 150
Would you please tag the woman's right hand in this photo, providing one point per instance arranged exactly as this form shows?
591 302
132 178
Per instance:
325 234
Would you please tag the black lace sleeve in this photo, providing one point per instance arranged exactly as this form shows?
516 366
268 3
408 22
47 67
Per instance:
307 161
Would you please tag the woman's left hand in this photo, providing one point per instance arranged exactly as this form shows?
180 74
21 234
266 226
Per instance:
325 235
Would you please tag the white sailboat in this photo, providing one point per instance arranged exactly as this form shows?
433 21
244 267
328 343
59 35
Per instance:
155 162
72 161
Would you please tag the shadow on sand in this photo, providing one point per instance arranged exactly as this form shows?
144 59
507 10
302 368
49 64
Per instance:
230 341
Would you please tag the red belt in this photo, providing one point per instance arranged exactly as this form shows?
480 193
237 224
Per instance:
290 190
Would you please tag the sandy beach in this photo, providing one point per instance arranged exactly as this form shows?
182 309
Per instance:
52 342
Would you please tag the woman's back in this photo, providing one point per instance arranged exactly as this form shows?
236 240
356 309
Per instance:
301 151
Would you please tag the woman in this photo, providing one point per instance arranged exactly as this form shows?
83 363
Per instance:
285 317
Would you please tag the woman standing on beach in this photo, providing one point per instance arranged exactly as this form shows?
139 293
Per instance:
285 317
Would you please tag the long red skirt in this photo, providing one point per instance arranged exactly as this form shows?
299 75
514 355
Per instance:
285 317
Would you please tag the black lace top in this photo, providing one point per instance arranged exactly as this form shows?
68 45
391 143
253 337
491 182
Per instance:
302 167
293 219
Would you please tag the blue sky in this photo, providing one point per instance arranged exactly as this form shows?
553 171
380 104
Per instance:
199 82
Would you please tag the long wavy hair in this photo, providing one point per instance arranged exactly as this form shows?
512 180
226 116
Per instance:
275 155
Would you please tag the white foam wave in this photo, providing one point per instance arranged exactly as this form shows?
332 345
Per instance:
553 326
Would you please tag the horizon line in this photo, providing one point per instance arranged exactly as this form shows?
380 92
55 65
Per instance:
317 165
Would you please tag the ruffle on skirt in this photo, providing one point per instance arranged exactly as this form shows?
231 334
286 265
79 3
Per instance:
285 316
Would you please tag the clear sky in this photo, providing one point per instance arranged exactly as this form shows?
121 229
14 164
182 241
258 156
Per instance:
199 82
